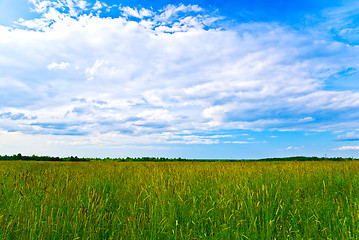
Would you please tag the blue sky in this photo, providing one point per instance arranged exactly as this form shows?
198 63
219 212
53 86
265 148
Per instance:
190 79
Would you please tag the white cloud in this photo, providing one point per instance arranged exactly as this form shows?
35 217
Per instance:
133 12
237 142
171 11
145 12
306 119
292 148
82 4
168 72
98 5
345 148
58 66
243 142
350 136
40 6
99 65
156 115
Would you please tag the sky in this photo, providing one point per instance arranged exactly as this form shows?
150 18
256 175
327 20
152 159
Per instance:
199 79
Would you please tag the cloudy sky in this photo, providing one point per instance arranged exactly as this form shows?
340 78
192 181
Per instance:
191 79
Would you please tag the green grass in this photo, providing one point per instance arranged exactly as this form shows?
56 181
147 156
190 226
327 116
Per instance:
179 200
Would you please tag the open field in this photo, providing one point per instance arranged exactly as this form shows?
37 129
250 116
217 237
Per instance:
179 200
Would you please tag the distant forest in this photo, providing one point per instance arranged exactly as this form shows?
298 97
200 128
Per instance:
20 157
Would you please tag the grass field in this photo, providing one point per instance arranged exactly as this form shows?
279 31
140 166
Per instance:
179 200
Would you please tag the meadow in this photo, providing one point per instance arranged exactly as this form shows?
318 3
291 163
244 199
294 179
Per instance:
179 200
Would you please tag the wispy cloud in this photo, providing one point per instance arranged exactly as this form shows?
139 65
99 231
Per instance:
343 22
350 136
16 116
133 12
292 148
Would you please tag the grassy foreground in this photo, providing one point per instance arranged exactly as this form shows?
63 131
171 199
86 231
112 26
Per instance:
179 200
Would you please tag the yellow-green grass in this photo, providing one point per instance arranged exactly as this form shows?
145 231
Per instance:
179 200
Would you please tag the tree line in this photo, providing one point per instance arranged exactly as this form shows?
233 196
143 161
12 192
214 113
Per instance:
83 159
20 157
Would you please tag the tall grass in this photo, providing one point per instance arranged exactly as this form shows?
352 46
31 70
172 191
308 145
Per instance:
179 200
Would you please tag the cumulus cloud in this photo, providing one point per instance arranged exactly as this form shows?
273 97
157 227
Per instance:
344 148
150 75
98 5
58 66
